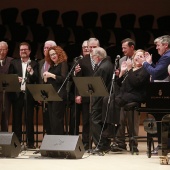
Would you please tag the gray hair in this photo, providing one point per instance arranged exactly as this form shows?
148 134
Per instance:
51 42
4 43
84 42
163 40
94 39
100 52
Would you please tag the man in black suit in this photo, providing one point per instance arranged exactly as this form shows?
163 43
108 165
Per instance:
27 71
103 69
4 65
85 68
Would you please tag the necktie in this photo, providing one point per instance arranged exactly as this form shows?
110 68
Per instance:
93 64
95 67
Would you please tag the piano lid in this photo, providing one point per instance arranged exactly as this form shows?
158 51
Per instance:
158 95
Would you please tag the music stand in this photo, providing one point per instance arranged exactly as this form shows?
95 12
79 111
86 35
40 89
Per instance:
8 83
90 87
43 92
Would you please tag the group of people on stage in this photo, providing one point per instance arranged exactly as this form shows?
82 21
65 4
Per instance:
100 117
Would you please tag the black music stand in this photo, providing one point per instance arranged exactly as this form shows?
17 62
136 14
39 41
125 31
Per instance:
43 92
8 83
90 87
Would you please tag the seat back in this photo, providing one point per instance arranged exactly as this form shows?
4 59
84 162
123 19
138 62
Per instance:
69 18
9 16
50 17
89 19
30 16
108 20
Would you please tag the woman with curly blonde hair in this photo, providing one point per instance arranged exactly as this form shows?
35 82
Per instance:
56 75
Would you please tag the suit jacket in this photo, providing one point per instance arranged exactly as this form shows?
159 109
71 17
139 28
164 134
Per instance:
5 67
104 70
16 68
159 71
86 70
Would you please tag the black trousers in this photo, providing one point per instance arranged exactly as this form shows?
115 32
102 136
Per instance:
5 114
97 124
23 102
75 119
56 116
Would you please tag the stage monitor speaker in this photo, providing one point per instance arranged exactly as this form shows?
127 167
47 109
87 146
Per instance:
62 146
9 145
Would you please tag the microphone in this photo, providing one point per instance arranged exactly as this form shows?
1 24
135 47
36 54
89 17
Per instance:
27 72
28 62
117 58
78 58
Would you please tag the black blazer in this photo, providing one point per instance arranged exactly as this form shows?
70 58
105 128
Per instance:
16 68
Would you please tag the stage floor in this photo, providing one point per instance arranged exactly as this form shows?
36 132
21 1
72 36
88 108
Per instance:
27 160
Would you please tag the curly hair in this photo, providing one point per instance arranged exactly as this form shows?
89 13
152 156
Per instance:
61 55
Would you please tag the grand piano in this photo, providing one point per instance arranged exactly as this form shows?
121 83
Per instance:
158 104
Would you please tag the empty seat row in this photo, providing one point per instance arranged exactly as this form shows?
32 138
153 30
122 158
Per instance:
89 19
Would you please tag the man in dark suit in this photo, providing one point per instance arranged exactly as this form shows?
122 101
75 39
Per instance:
4 66
76 108
104 69
85 68
27 71
44 66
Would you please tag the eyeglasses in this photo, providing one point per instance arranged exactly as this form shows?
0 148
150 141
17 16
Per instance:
24 49
3 49
85 47
53 54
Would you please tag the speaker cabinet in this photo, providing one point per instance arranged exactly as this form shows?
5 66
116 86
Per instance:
62 146
9 145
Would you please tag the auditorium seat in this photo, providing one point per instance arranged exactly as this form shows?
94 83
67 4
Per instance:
11 48
127 21
108 20
40 33
113 51
146 22
3 31
80 34
50 17
142 38
70 18
61 35
30 16
89 19
120 34
163 23
9 16
72 50
103 35
18 32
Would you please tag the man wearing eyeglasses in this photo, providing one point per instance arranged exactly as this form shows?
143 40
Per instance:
4 66
27 71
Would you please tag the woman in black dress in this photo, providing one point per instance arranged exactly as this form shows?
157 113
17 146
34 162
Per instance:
56 75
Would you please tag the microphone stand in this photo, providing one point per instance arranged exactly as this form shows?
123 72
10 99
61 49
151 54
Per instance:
24 147
67 79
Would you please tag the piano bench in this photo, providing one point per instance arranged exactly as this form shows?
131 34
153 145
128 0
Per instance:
132 107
